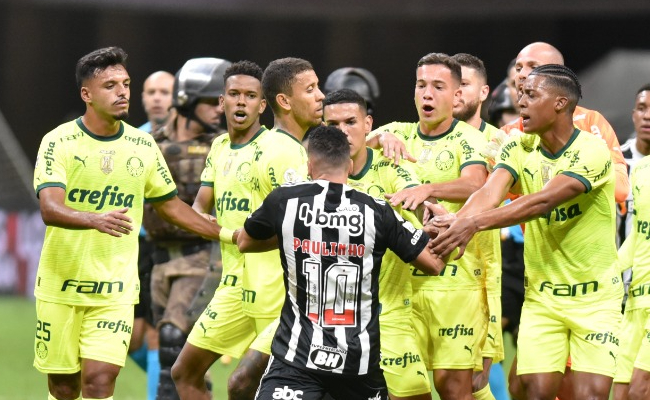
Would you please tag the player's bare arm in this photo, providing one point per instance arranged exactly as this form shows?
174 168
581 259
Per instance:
177 212
204 203
392 147
480 212
472 178
55 213
247 244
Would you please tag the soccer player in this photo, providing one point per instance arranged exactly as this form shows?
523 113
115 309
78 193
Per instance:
405 373
181 259
633 368
566 179
633 216
331 241
223 329
474 91
290 87
451 169
92 177
540 53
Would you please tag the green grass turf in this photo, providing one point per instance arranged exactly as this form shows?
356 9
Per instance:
19 380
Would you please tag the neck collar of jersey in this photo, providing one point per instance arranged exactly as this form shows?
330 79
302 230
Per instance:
118 135
555 156
288 134
482 126
241 145
366 166
437 137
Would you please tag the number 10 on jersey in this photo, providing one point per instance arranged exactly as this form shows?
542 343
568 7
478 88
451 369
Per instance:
332 295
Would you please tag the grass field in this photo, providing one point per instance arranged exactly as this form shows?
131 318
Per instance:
20 381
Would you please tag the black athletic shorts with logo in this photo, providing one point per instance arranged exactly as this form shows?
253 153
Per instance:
285 382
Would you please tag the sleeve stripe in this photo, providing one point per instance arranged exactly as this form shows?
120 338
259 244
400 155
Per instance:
581 178
483 163
48 184
162 198
206 183
508 168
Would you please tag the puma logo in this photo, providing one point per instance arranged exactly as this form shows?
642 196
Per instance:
205 330
587 169
532 174
77 158
125 344
468 349
613 356
491 337
421 373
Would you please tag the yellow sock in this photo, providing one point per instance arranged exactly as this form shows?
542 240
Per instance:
484 394
50 397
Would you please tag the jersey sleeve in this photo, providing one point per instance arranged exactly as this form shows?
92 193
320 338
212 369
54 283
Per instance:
207 175
469 148
403 238
403 176
260 224
590 166
509 158
396 128
159 186
50 169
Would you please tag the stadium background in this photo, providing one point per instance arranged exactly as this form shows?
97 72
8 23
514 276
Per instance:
604 41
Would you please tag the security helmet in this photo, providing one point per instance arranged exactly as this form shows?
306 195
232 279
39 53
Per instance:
500 101
360 80
199 78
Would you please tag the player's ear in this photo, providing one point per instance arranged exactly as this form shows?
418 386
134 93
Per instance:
283 101
485 91
561 103
262 106
368 124
85 94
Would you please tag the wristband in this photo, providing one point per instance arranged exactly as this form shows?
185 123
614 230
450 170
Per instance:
225 235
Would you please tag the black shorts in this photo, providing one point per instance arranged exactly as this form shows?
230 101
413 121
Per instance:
283 381
512 283
145 265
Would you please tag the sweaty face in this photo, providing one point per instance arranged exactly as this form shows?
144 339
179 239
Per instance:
306 99
531 57
641 116
537 105
209 112
353 121
157 97
471 86
108 93
435 90
242 101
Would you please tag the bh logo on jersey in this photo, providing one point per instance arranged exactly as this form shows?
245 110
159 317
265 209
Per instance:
324 359
286 393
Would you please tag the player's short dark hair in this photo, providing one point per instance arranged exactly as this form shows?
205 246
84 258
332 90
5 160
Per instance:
243 67
643 88
563 78
330 146
280 75
344 96
443 59
473 62
95 62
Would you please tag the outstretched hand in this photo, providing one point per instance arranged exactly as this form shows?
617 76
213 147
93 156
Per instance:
458 235
115 223
394 148
432 210
409 198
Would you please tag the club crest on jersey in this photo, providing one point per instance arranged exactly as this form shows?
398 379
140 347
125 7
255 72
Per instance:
134 166
228 164
291 176
425 154
327 358
41 350
347 217
106 162
445 160
244 172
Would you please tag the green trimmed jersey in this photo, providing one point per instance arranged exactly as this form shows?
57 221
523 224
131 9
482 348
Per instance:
378 177
228 170
570 253
440 159
491 255
99 174
639 293
279 158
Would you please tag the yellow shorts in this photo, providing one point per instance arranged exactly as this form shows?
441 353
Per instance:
493 347
635 344
264 339
548 336
404 370
66 334
451 327
222 327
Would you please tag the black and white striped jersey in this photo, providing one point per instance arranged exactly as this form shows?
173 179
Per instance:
331 240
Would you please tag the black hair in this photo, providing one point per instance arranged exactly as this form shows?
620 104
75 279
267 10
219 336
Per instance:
243 67
343 96
473 62
93 63
280 75
442 59
643 88
563 78
330 146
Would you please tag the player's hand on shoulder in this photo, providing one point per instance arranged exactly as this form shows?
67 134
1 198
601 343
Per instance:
115 223
394 148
